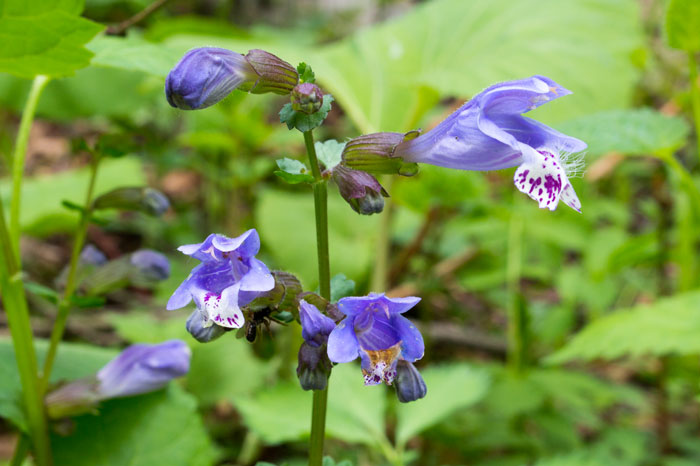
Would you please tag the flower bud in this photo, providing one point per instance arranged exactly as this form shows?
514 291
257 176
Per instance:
374 153
314 367
90 255
148 266
272 74
409 384
195 325
360 189
315 327
143 199
307 98
143 368
206 75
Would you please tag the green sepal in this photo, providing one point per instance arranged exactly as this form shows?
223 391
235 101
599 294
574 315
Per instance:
302 121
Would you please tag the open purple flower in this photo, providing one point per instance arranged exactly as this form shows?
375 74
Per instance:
489 133
143 368
228 278
375 330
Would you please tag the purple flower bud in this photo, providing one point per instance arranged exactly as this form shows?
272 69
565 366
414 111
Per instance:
490 133
144 199
375 330
409 384
360 189
228 278
195 325
143 368
375 153
314 366
307 98
315 327
206 75
90 255
150 265
71 399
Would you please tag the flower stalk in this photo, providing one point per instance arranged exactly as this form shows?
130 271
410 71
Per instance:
320 397
59 325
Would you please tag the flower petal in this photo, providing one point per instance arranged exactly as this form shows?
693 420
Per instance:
315 327
519 96
412 346
182 295
247 244
342 343
535 134
221 309
400 305
544 180
258 277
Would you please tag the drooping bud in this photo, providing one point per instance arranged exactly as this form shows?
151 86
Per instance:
148 266
315 327
143 368
206 75
143 199
195 325
374 153
314 366
360 189
272 74
142 268
409 384
307 98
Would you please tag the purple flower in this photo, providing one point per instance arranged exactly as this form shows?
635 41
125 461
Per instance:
489 133
228 278
315 327
206 75
150 264
375 330
143 368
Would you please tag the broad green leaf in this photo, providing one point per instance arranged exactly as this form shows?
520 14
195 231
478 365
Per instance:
42 212
293 171
329 152
450 388
683 24
305 122
287 227
133 53
668 326
632 132
44 37
158 429
341 286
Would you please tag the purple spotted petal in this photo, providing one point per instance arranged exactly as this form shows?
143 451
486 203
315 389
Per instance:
143 368
342 343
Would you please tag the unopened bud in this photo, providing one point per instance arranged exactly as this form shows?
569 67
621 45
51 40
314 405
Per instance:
148 266
307 98
360 189
195 326
314 367
374 153
315 327
77 397
143 199
409 384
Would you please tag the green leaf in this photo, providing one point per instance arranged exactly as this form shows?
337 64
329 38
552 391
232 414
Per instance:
160 428
329 152
44 37
302 121
450 388
669 326
631 132
133 53
683 24
306 74
42 212
293 171
341 286
286 225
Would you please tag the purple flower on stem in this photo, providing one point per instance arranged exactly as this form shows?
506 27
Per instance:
375 330
228 278
315 327
143 368
314 366
489 133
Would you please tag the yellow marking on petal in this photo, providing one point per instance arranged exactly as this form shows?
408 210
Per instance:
553 90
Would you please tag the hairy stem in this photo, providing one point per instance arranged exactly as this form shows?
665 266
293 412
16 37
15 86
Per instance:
318 414
59 325
19 154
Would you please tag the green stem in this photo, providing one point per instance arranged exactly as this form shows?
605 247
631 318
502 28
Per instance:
15 304
695 95
20 153
21 451
59 325
318 415
516 317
